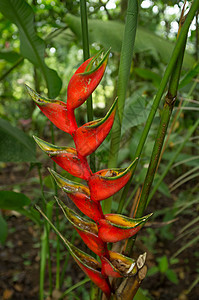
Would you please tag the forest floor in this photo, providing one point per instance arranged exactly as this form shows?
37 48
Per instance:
20 256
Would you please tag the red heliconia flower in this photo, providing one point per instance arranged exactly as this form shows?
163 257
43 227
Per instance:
115 228
87 230
118 265
85 81
101 185
66 158
106 183
56 111
80 195
89 137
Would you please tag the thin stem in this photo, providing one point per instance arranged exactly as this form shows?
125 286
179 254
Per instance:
123 79
20 60
168 72
67 259
86 52
45 247
74 287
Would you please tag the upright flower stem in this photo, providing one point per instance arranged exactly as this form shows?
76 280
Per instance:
86 53
123 78
156 102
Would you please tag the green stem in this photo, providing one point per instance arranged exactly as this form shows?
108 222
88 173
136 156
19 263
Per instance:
74 287
168 71
86 52
45 247
12 68
123 79
165 118
67 259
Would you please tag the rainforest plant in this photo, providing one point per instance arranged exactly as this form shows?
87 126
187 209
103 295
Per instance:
101 185
106 228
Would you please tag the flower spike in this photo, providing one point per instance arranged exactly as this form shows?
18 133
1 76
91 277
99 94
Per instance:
106 183
56 111
86 262
87 230
66 158
115 228
85 80
80 196
89 137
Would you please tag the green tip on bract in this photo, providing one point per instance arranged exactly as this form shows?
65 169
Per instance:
45 146
104 59
99 122
36 97
61 181
68 185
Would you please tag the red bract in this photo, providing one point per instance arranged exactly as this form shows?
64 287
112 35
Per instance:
90 136
106 183
118 265
115 228
85 81
86 229
67 159
101 185
56 111
80 195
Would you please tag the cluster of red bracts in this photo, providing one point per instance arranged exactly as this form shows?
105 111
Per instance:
100 185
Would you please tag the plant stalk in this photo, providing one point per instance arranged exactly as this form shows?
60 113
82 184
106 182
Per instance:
123 79
167 74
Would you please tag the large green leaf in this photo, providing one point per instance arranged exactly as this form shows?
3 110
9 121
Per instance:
12 200
15 145
10 56
110 34
32 47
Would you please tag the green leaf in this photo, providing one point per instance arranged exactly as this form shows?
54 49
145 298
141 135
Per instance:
171 275
110 34
31 213
140 296
12 200
10 56
163 264
32 46
189 76
148 74
15 145
136 111
3 230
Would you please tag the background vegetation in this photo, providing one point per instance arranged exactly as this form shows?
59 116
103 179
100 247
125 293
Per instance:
42 46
